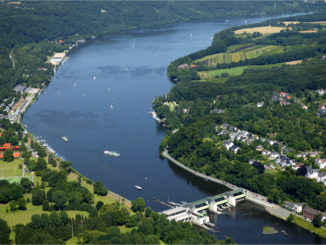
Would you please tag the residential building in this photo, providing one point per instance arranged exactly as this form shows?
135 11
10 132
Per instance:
259 148
227 144
309 213
321 162
266 153
235 149
274 155
296 207
311 173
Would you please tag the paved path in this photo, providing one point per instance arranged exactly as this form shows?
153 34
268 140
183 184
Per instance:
260 200
12 60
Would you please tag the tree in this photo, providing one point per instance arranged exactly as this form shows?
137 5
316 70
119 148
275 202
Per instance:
138 205
4 232
59 197
45 205
99 204
317 220
21 204
8 155
27 184
38 196
100 189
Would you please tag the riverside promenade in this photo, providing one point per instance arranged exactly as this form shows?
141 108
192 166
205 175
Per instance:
260 200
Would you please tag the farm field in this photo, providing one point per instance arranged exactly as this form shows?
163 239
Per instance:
261 29
243 54
234 71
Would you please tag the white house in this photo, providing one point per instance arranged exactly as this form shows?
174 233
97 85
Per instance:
311 173
227 144
266 153
274 155
260 104
321 162
296 207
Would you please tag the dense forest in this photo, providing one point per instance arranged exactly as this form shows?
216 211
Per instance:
203 101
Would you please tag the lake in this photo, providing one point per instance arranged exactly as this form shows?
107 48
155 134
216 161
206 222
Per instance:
101 98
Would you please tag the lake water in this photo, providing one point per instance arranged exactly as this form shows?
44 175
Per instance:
111 111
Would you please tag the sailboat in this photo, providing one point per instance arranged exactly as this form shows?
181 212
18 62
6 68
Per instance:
75 84
94 77
111 106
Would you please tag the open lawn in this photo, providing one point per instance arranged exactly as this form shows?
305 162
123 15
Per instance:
8 169
234 71
111 197
261 29
23 217
308 226
243 54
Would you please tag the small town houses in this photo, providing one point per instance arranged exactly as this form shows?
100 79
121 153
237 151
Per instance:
283 161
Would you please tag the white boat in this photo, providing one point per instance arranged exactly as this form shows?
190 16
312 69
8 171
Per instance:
94 77
111 153
64 138
111 106
75 84
138 187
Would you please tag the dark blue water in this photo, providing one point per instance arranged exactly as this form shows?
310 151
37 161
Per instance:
130 70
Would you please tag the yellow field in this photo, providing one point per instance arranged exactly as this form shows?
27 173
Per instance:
261 29
308 31
295 62
290 22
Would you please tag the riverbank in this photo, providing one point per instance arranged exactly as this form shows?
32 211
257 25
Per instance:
258 199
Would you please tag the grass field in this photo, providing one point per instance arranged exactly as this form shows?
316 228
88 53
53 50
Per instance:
23 217
234 71
310 227
8 169
243 54
261 29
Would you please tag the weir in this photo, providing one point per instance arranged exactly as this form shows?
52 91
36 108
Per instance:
196 212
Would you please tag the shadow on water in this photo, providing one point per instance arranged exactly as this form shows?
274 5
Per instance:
207 187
